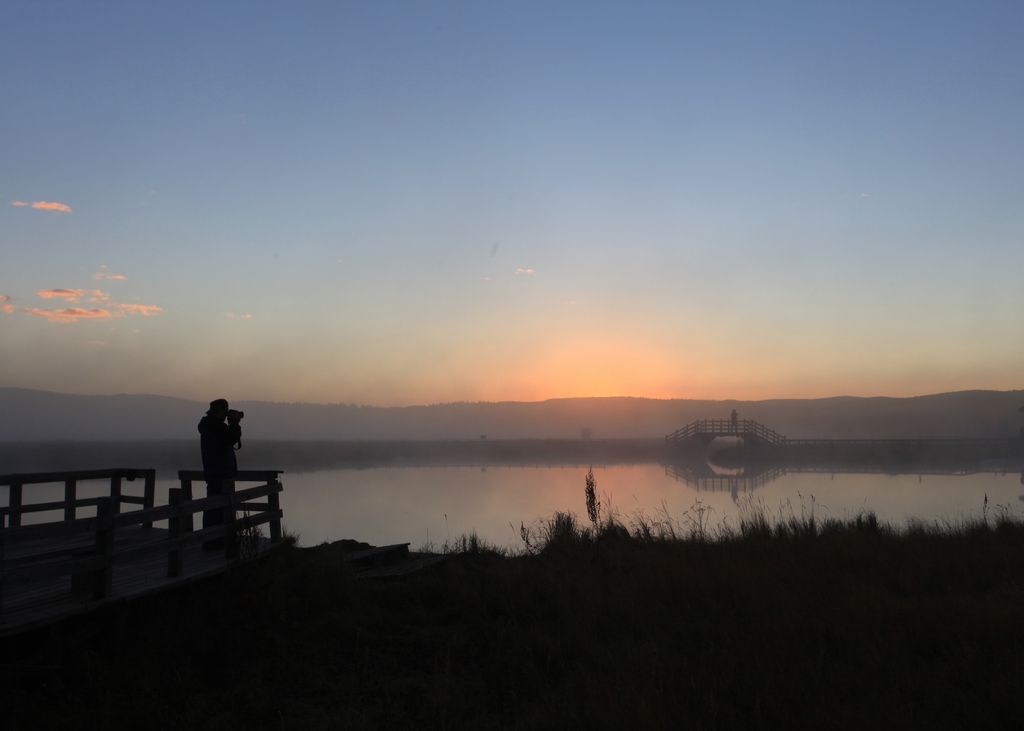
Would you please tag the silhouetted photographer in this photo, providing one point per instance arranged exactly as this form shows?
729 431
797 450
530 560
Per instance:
219 432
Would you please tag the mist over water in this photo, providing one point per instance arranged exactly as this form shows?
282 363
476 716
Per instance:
398 505
420 505
433 504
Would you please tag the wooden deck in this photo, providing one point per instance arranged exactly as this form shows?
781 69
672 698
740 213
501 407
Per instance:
35 604
58 569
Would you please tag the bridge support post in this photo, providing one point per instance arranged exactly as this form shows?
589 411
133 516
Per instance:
175 563
14 505
230 528
149 494
274 504
103 577
70 497
186 496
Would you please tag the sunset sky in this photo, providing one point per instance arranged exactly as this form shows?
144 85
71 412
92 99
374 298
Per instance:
402 203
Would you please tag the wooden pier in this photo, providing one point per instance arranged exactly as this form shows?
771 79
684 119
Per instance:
56 569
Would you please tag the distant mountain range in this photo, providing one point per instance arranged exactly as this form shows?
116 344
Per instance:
29 415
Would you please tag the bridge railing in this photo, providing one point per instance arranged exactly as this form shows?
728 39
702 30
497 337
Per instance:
16 483
725 427
56 548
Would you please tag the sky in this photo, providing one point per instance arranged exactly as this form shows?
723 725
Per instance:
399 203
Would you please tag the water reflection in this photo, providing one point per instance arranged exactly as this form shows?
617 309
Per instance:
432 504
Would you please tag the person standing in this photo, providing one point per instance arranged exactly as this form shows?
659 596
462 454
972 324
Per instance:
219 431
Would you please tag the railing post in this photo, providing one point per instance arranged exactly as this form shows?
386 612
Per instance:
274 501
230 533
186 496
104 576
175 563
70 497
149 494
14 505
115 492
1 571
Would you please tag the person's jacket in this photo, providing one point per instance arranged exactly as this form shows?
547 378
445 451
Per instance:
217 440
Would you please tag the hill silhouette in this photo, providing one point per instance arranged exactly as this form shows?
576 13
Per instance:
32 416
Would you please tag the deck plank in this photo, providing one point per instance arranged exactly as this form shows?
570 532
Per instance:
36 604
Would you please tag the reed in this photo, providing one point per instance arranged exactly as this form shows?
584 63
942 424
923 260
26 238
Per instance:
784 619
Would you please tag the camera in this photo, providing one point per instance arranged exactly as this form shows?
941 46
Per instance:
234 415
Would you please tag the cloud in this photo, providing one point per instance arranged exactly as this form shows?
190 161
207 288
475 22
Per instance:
5 298
71 314
6 308
71 295
233 316
106 275
19 203
48 206
524 271
865 195
144 310
110 308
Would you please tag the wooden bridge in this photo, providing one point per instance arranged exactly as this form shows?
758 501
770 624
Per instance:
55 569
761 442
706 430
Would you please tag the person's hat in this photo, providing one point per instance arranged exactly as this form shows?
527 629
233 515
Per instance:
218 404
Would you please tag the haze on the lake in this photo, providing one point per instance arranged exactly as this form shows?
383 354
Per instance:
411 203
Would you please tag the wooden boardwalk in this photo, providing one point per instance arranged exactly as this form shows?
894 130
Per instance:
58 569
39 603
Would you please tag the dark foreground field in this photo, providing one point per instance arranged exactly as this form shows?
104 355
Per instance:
782 624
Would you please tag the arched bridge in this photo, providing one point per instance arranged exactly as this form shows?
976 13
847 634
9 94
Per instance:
703 431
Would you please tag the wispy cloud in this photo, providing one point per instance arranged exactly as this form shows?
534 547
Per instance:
865 195
233 316
95 296
106 275
19 203
71 295
6 308
144 310
51 206
71 314
525 271
5 298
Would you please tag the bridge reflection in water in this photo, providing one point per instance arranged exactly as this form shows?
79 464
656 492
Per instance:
734 456
709 477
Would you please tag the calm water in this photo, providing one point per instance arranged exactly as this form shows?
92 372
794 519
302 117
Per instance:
430 504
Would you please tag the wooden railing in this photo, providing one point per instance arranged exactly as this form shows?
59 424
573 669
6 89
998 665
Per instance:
70 504
93 568
725 427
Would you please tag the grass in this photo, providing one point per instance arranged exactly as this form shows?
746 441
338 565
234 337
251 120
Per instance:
648 622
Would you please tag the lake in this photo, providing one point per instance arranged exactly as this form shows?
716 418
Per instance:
430 505
421 505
